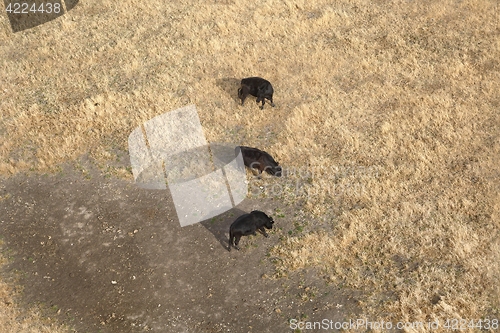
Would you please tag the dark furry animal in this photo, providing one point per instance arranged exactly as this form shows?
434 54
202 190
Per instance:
258 87
257 159
248 224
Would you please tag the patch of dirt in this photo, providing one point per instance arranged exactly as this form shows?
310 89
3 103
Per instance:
103 255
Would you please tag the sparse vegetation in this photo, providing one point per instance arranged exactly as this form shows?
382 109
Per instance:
14 318
392 107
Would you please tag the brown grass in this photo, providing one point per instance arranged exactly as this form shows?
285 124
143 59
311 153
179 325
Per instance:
392 106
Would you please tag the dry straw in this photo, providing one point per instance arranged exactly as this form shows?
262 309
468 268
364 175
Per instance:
406 88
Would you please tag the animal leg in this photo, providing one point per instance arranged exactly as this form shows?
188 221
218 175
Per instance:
263 231
236 242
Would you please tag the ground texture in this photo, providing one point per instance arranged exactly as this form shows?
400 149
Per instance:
386 122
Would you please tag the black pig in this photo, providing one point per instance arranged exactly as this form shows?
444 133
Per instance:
260 160
248 224
258 87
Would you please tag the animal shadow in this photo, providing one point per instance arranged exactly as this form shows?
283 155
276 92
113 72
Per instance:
219 225
230 85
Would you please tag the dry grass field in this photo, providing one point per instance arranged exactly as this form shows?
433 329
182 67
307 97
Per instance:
390 110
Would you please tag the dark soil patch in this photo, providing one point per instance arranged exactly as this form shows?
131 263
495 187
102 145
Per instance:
106 256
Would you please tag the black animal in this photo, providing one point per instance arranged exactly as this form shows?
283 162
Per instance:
248 224
257 159
258 87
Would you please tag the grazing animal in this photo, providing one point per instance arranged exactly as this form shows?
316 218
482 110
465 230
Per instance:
258 87
248 224
260 160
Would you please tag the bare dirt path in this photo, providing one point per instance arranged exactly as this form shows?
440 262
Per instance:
106 256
